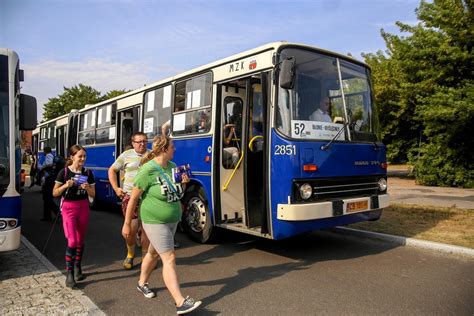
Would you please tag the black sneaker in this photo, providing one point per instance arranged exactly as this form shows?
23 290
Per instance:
176 244
145 290
188 306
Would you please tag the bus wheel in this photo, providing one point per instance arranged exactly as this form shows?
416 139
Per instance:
196 216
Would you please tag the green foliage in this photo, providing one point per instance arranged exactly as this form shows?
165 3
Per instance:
75 98
114 93
72 98
423 85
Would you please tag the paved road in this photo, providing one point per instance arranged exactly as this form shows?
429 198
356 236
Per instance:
323 272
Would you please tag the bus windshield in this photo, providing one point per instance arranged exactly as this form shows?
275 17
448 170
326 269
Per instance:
328 92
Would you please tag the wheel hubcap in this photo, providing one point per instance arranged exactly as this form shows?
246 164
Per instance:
196 214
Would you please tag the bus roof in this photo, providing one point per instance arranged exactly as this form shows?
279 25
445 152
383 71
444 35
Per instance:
8 52
54 119
270 46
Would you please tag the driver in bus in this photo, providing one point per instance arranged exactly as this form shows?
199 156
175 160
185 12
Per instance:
322 113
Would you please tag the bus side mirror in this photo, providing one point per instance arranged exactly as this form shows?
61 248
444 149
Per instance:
287 73
27 112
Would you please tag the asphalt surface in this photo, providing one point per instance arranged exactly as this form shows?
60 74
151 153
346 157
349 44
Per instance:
405 191
318 273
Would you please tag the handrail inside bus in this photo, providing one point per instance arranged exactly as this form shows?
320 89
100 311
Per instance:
224 188
252 140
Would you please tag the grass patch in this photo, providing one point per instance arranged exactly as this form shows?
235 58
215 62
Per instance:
447 225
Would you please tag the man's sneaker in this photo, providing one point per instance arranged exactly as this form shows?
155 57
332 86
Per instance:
188 306
128 263
146 290
176 244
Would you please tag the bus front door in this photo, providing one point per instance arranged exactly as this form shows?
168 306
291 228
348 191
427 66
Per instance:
241 169
233 99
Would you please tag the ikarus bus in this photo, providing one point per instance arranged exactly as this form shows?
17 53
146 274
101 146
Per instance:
282 139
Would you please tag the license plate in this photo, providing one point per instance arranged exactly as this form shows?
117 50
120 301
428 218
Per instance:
357 206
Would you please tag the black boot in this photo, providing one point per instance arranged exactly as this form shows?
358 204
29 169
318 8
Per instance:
70 282
78 268
78 273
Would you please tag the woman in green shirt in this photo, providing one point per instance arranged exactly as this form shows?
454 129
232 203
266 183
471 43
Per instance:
160 212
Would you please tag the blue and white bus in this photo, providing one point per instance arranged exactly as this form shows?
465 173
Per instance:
59 134
263 162
17 112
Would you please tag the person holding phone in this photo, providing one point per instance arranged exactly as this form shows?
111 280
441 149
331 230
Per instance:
75 184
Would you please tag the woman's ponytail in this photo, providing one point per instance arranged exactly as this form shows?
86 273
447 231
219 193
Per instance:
160 144
147 157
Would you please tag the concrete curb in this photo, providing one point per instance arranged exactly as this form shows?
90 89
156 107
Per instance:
80 296
404 241
398 173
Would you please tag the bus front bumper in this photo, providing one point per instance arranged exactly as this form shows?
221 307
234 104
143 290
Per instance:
10 239
311 211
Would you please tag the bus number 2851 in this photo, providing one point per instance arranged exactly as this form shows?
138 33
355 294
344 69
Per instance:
285 150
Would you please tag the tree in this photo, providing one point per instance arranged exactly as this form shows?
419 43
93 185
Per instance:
114 93
72 98
423 86
76 98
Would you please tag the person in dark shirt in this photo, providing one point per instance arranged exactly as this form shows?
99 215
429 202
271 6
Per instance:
47 188
75 184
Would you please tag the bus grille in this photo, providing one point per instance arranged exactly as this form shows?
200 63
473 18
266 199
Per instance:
328 189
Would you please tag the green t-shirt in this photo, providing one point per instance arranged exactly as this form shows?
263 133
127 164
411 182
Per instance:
160 203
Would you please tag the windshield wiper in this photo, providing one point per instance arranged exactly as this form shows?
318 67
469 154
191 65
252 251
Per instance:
328 145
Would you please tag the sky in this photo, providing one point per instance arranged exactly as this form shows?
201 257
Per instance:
125 44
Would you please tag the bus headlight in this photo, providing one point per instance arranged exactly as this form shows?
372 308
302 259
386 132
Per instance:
306 191
3 224
382 184
12 223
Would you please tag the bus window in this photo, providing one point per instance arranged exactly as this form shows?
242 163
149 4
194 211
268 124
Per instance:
86 128
157 111
256 111
105 132
192 106
52 135
44 138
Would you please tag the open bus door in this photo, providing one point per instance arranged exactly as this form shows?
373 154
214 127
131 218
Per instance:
61 149
242 170
72 130
128 125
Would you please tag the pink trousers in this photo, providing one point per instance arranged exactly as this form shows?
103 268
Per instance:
75 221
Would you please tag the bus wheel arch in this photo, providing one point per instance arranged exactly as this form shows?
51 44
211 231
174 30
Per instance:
196 217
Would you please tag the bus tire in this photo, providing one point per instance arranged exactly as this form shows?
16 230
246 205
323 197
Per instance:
196 217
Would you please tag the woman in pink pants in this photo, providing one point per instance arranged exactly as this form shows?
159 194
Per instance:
75 184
